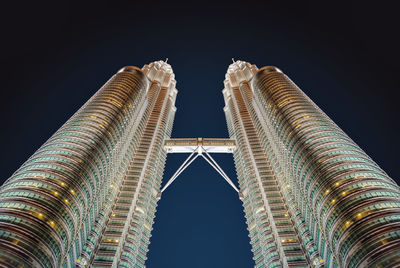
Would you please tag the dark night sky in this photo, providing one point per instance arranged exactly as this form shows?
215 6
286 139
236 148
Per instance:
55 55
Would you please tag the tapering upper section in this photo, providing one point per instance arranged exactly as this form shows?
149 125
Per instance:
161 72
238 72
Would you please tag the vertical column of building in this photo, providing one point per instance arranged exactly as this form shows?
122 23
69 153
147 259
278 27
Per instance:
274 238
125 238
350 205
107 228
285 180
49 205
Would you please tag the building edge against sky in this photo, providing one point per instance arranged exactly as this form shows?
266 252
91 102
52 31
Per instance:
87 197
311 196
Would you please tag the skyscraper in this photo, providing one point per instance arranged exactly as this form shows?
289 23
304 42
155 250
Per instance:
311 196
87 197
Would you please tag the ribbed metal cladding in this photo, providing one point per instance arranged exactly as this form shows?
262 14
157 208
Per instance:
49 205
338 188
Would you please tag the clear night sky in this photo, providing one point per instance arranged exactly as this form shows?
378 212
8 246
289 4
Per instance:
55 55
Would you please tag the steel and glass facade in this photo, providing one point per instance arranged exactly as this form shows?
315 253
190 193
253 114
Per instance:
311 196
87 197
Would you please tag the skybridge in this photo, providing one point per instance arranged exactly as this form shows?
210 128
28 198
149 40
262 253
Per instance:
202 147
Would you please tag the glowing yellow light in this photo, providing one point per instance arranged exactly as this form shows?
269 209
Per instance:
78 260
286 215
72 192
321 260
333 201
327 191
359 215
117 240
112 186
51 223
343 193
337 184
288 186
283 240
40 215
66 201
63 184
56 193
113 215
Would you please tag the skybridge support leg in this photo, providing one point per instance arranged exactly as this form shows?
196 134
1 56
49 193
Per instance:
221 172
184 165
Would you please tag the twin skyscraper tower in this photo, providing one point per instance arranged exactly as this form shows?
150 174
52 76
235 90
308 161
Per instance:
88 196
